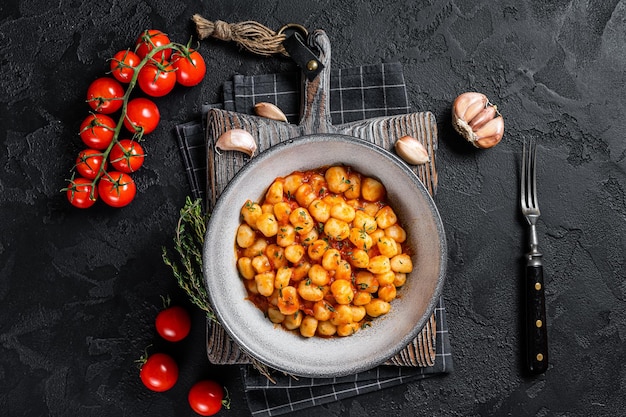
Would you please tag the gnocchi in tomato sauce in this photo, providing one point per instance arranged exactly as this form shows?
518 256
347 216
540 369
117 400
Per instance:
323 253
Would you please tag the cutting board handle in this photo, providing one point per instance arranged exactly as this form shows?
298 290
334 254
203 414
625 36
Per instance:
315 108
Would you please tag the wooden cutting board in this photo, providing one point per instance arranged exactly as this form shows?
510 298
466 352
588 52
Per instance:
315 118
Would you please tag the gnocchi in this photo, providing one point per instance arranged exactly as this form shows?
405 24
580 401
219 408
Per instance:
323 253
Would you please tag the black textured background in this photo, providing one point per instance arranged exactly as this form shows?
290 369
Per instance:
79 290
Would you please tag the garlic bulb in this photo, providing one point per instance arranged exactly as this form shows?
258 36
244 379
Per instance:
477 120
411 150
236 140
270 111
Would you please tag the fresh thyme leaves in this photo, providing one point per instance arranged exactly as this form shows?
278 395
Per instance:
188 243
187 269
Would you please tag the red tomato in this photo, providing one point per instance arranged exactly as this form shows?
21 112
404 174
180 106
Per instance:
159 372
126 156
105 95
142 115
117 189
97 131
190 68
89 162
152 39
79 193
157 79
173 323
206 398
123 65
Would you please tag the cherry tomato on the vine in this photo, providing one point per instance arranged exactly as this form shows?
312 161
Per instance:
79 193
152 39
123 65
89 162
190 68
159 372
157 79
97 131
117 189
206 398
142 115
105 95
127 156
173 323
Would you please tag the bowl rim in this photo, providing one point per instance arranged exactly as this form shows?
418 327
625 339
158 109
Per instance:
319 371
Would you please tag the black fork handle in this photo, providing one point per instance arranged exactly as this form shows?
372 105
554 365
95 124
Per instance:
535 319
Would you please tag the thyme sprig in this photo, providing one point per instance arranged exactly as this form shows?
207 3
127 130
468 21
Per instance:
187 268
188 243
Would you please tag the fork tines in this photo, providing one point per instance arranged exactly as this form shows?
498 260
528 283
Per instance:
529 179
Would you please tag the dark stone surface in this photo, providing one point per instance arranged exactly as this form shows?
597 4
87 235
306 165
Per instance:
79 290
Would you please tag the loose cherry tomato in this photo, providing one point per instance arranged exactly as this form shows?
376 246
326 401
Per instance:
173 323
190 68
97 131
159 372
207 398
123 65
105 95
152 39
157 79
142 115
89 162
127 156
79 193
117 189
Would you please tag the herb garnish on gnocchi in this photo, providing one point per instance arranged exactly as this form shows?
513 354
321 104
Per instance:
323 252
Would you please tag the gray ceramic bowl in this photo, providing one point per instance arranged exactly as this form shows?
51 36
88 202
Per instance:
326 357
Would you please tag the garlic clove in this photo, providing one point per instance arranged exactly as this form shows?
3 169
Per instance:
237 140
490 134
474 109
483 117
477 120
411 150
464 101
269 111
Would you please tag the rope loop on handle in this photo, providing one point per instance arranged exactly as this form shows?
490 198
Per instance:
250 35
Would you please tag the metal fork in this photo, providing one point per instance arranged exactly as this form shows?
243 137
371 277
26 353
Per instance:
535 314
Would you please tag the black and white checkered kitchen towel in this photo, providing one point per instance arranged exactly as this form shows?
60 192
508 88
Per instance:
355 94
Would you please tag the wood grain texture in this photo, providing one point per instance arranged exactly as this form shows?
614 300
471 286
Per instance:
315 119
